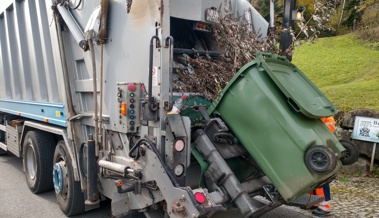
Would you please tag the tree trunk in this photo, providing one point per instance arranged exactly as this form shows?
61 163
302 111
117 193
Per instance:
343 8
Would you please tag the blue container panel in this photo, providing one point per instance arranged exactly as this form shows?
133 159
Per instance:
39 111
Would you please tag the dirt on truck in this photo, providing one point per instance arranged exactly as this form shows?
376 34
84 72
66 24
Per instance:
87 97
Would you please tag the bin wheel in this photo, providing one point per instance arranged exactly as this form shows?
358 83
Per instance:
320 159
38 150
352 152
67 191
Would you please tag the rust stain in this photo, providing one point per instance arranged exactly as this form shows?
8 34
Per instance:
143 11
162 8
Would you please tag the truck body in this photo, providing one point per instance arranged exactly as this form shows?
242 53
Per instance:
85 88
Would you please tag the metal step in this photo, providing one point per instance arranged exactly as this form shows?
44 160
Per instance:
306 201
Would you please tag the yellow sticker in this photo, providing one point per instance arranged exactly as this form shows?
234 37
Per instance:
57 113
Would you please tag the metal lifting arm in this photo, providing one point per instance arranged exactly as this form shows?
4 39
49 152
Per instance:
73 26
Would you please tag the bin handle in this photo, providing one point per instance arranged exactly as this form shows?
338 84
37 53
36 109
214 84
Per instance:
293 104
223 137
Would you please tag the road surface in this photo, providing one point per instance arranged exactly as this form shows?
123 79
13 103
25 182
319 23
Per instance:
16 201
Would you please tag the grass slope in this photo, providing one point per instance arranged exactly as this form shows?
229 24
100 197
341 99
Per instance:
344 69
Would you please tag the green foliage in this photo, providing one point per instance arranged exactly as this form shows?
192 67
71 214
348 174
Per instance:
309 5
351 4
370 17
365 14
263 6
360 14
344 69
354 16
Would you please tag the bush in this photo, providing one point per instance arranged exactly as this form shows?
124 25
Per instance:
370 17
369 35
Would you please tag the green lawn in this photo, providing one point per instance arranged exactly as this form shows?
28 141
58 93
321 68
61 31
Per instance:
345 70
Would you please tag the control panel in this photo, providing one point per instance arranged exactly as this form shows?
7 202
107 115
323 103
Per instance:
128 98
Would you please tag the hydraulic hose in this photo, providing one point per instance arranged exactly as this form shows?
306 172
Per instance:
102 39
77 6
94 81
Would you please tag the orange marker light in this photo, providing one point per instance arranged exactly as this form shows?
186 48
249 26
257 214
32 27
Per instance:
46 120
123 108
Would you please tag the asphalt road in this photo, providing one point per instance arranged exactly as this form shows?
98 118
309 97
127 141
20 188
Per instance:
16 201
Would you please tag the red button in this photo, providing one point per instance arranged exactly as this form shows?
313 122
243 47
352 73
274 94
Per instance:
132 87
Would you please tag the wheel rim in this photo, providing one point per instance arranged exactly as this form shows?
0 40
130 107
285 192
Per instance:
60 178
31 163
348 153
319 160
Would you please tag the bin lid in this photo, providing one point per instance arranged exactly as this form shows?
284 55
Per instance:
301 93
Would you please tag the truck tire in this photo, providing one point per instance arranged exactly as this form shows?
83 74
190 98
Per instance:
352 152
67 191
2 152
2 139
320 159
38 150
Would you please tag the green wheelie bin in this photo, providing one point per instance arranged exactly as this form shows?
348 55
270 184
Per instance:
274 110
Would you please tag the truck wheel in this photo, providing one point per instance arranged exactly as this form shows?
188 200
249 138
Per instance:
352 152
2 152
67 191
38 150
2 139
320 159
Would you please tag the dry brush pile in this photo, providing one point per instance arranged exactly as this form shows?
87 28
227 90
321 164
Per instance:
239 45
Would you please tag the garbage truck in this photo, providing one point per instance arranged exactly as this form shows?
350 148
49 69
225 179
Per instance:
86 91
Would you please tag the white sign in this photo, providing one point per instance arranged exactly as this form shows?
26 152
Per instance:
366 129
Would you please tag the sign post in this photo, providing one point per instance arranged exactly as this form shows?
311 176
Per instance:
367 129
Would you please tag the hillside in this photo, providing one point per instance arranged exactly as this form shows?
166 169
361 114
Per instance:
345 70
